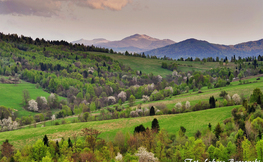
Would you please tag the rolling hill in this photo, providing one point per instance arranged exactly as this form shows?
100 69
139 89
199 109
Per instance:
198 48
134 43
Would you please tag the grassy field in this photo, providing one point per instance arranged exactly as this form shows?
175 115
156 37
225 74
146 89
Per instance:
11 96
192 121
195 97
154 65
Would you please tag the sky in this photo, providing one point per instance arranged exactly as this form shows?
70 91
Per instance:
217 21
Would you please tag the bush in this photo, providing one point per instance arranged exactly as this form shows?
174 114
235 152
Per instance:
178 105
201 106
56 123
187 105
38 86
236 98
159 113
64 122
223 94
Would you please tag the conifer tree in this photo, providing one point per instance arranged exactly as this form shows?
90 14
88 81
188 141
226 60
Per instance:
152 111
218 130
69 143
212 102
210 126
155 125
45 140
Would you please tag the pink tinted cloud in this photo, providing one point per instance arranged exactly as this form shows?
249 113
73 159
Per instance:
30 7
49 8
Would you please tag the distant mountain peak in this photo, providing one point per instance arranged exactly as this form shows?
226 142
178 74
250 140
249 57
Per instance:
139 37
133 43
203 49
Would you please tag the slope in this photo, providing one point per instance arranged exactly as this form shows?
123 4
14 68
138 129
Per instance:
192 121
203 49
11 96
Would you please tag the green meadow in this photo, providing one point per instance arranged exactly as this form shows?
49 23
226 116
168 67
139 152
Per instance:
154 65
195 97
11 96
192 121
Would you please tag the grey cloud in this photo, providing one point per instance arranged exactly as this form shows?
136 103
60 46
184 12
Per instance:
44 8
49 8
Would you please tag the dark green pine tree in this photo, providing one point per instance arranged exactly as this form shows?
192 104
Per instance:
57 148
218 130
98 71
212 102
152 111
69 143
2 115
259 135
92 81
45 140
139 129
12 159
210 126
259 100
155 125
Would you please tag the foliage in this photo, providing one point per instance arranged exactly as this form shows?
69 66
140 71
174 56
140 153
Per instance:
139 129
236 99
155 125
223 94
152 111
32 105
144 155
212 102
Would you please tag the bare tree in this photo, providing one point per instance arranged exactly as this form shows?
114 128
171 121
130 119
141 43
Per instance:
26 97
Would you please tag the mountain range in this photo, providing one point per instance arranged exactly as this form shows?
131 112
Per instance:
198 48
135 43
187 48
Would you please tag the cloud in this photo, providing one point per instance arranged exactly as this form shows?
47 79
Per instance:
48 8
30 7
103 4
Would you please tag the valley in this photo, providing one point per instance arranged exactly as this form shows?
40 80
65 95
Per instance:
91 99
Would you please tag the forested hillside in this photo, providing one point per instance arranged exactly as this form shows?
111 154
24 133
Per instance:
89 84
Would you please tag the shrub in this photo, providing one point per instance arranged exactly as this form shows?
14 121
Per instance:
158 112
223 94
134 114
144 155
187 105
111 100
225 102
145 98
63 122
38 86
236 98
178 105
32 105
227 97
122 95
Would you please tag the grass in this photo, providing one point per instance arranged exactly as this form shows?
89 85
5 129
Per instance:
154 65
192 121
11 96
195 97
